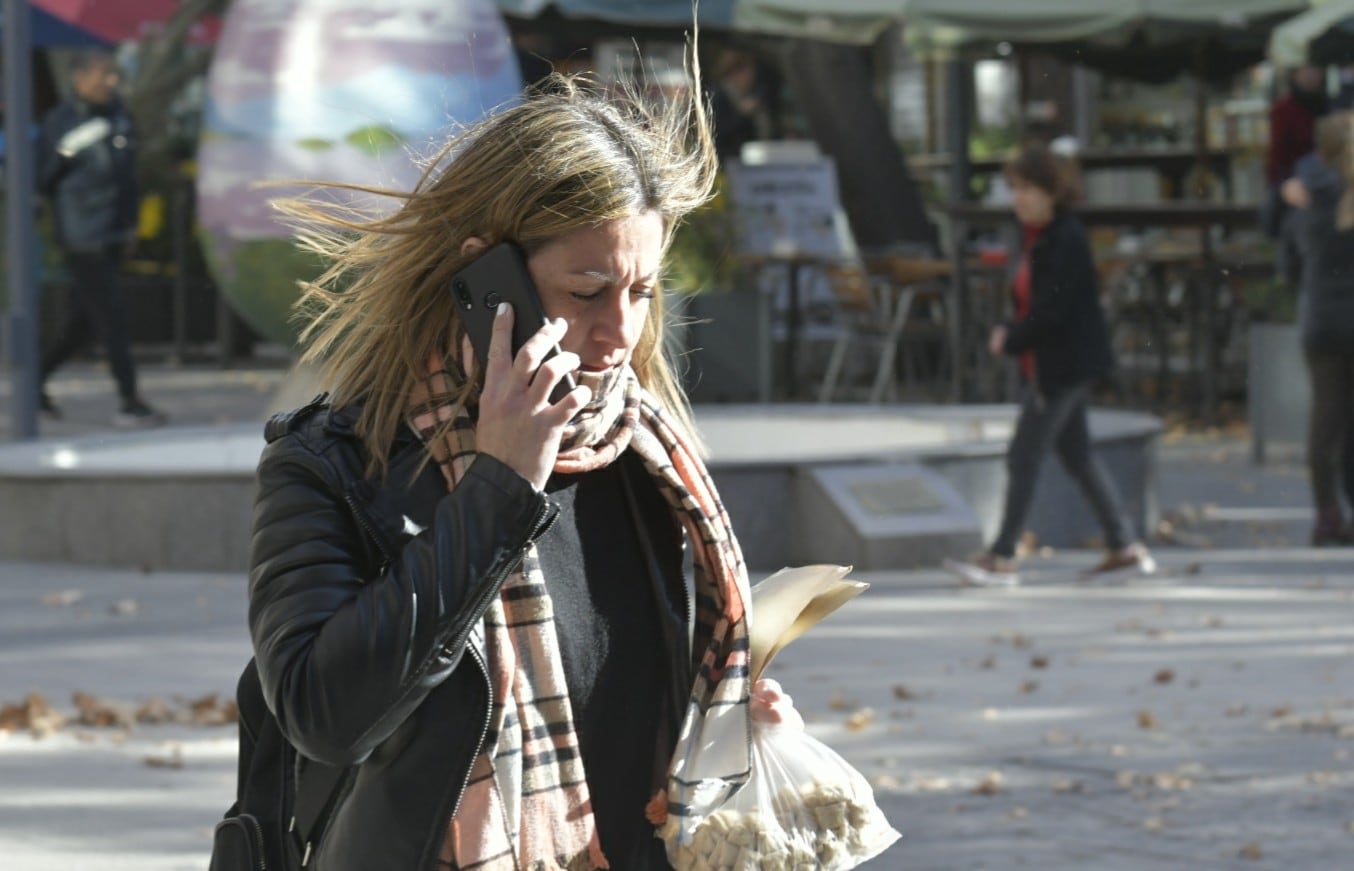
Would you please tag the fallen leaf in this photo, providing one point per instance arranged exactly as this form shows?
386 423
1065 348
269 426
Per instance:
902 693
102 713
210 710
988 662
124 608
1171 782
1029 686
991 784
174 759
1146 720
1039 662
32 714
932 784
1154 824
65 597
1252 852
1068 786
155 710
838 702
1164 676
860 719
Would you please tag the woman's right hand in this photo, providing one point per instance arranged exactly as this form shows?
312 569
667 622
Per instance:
517 424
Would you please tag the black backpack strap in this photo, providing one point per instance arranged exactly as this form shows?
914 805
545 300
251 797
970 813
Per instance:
315 794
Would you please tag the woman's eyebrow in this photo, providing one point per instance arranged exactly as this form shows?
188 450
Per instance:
610 280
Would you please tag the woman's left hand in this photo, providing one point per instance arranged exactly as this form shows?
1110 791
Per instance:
773 706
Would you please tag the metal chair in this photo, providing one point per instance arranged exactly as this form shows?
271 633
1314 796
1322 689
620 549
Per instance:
874 300
873 312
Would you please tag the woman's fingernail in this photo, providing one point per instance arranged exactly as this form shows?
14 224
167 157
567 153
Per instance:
501 310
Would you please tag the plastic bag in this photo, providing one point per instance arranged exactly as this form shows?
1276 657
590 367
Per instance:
803 808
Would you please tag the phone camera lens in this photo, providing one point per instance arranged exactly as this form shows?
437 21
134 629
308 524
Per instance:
491 300
462 294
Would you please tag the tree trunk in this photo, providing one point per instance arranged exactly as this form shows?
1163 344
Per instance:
834 88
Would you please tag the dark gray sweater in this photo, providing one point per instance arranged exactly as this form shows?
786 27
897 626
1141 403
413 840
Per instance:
1326 304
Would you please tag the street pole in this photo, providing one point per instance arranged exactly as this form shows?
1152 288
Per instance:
19 230
20 240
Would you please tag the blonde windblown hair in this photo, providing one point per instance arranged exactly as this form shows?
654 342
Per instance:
571 157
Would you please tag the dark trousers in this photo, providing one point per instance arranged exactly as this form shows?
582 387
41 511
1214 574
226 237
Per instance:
1058 423
96 311
1330 439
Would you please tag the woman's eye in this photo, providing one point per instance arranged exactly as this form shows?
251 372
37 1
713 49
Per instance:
585 295
642 292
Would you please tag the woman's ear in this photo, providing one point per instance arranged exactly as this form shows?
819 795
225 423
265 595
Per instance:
472 245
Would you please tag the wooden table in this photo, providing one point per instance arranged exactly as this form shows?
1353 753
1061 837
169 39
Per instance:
1202 215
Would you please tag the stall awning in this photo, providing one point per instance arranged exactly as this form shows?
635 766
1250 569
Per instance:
1154 40
947 24
1323 35
655 13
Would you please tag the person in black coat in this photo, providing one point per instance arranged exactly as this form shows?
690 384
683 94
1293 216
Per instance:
1323 227
86 165
1061 341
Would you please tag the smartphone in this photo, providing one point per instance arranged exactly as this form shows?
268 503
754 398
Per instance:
500 275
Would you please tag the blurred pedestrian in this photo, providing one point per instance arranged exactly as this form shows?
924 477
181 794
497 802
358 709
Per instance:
1061 342
741 104
1323 228
1292 136
86 164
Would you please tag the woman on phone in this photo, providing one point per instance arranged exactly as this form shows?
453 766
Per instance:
473 595
1061 343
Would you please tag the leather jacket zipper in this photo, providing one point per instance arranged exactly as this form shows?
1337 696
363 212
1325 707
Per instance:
258 835
541 524
370 530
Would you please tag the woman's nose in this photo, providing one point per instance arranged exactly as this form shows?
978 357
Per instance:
615 321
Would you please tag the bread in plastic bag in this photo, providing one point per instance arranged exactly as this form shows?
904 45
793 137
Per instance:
804 807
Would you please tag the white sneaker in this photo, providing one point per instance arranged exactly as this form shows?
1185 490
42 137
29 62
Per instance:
984 570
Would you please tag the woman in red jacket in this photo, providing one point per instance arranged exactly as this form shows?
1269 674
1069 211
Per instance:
1062 344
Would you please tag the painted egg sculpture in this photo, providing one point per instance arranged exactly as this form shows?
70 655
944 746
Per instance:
330 90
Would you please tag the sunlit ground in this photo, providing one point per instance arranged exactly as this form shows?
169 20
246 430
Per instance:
1201 719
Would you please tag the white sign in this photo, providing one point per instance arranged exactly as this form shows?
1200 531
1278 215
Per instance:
786 209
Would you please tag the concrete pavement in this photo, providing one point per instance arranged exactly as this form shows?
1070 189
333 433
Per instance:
1200 719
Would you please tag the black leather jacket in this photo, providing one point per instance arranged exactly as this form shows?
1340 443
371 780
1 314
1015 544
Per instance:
364 608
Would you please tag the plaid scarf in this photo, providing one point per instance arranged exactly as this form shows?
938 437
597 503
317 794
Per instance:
527 806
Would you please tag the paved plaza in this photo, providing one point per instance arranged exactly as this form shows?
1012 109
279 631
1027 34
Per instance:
1203 718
